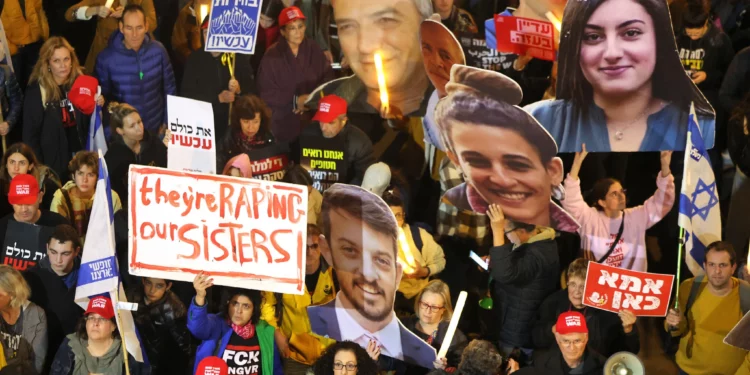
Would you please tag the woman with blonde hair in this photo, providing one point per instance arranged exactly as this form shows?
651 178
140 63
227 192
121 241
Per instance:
22 323
53 127
433 312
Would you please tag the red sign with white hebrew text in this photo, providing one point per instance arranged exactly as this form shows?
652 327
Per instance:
524 35
614 289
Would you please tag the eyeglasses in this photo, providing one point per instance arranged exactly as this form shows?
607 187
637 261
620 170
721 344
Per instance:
96 320
430 308
615 194
340 366
242 306
568 343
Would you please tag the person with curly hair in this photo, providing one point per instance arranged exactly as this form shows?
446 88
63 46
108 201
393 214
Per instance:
345 357
480 358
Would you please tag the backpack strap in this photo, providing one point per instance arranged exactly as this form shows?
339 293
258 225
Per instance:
694 290
417 237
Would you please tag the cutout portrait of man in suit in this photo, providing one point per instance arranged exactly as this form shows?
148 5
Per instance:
361 244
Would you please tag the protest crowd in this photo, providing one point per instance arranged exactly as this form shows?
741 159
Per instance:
478 198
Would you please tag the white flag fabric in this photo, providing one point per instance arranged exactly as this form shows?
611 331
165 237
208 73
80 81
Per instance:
96 139
99 273
700 214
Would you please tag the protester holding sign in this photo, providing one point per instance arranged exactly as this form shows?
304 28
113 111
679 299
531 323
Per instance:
75 200
209 78
620 91
130 144
95 347
25 197
20 159
609 333
710 306
23 325
610 233
334 151
525 273
290 70
237 335
250 129
53 285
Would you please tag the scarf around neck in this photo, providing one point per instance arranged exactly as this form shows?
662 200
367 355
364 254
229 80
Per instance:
247 331
108 364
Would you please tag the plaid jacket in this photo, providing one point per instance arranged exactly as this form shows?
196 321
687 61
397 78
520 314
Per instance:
452 221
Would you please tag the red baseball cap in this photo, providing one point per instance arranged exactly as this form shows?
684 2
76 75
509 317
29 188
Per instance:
24 189
571 322
212 366
330 108
289 15
83 92
101 305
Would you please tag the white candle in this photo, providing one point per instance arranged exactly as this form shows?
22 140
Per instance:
109 4
203 13
381 80
452 326
403 245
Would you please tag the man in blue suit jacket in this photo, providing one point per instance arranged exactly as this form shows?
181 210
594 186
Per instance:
359 241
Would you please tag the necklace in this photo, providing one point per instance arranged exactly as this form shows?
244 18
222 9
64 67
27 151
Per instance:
620 131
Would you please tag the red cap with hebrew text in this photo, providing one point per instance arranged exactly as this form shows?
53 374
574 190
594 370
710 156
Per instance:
102 306
289 15
571 322
330 108
24 189
83 93
212 366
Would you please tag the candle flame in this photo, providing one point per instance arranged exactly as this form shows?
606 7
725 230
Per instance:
555 22
381 80
203 12
403 247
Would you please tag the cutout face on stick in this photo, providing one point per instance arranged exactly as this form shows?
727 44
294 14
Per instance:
507 158
621 85
361 244
440 50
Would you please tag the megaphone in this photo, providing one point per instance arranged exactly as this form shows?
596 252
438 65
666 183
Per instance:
624 363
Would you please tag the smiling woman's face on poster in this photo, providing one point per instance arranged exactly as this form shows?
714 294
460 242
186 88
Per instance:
621 86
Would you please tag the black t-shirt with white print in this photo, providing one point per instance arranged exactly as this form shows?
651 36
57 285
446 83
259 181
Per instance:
243 356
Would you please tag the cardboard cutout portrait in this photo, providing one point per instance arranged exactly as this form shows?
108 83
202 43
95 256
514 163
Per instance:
621 85
388 27
361 244
506 156
440 51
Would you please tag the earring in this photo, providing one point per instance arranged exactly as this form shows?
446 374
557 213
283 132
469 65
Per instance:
49 69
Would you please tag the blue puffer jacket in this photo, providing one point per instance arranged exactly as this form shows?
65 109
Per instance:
142 79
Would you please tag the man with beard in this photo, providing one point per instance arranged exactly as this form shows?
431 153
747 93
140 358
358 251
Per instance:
360 242
713 304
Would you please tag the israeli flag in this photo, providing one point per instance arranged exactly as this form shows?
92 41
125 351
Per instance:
99 273
96 139
699 200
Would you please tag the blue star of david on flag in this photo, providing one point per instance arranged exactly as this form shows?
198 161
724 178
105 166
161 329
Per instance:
713 200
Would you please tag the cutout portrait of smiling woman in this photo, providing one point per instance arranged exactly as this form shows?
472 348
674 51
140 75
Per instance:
505 155
621 85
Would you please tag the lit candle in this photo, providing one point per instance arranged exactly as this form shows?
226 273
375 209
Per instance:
109 4
552 18
381 80
203 13
452 326
403 245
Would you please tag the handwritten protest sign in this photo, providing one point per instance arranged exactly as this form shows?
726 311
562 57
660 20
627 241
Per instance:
324 159
244 232
192 147
524 35
614 289
233 26
25 244
269 163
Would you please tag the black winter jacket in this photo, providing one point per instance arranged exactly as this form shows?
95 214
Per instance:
738 143
163 330
119 157
43 130
50 293
551 363
523 278
606 335
11 97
